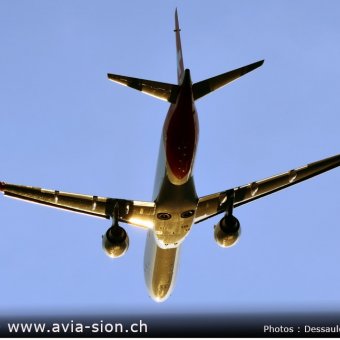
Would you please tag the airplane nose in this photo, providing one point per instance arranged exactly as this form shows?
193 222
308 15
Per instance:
160 294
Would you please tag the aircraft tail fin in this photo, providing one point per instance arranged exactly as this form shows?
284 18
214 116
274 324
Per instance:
180 63
204 87
163 91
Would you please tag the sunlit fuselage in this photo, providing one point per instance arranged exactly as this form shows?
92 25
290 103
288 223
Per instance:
174 193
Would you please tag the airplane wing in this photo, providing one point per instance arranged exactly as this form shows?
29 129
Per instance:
138 213
214 204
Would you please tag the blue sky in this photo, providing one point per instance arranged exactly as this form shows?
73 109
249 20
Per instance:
64 126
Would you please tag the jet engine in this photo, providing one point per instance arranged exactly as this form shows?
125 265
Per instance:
115 242
227 231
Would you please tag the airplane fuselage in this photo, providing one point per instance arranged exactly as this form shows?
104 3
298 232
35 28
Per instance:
174 193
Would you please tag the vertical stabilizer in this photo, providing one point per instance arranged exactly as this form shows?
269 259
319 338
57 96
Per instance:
180 64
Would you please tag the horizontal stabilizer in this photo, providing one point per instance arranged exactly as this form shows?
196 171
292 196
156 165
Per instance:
204 87
163 91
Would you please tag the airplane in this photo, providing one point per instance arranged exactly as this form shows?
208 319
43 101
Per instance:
175 207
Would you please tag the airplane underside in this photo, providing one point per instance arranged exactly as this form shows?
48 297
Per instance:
175 206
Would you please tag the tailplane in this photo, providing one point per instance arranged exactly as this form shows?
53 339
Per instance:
169 92
163 91
204 87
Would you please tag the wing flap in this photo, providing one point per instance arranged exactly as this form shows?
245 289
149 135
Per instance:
214 204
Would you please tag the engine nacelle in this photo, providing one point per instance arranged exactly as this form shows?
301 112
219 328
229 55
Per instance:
227 231
115 242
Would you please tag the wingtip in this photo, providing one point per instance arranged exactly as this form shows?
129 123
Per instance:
259 63
256 64
2 186
111 76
